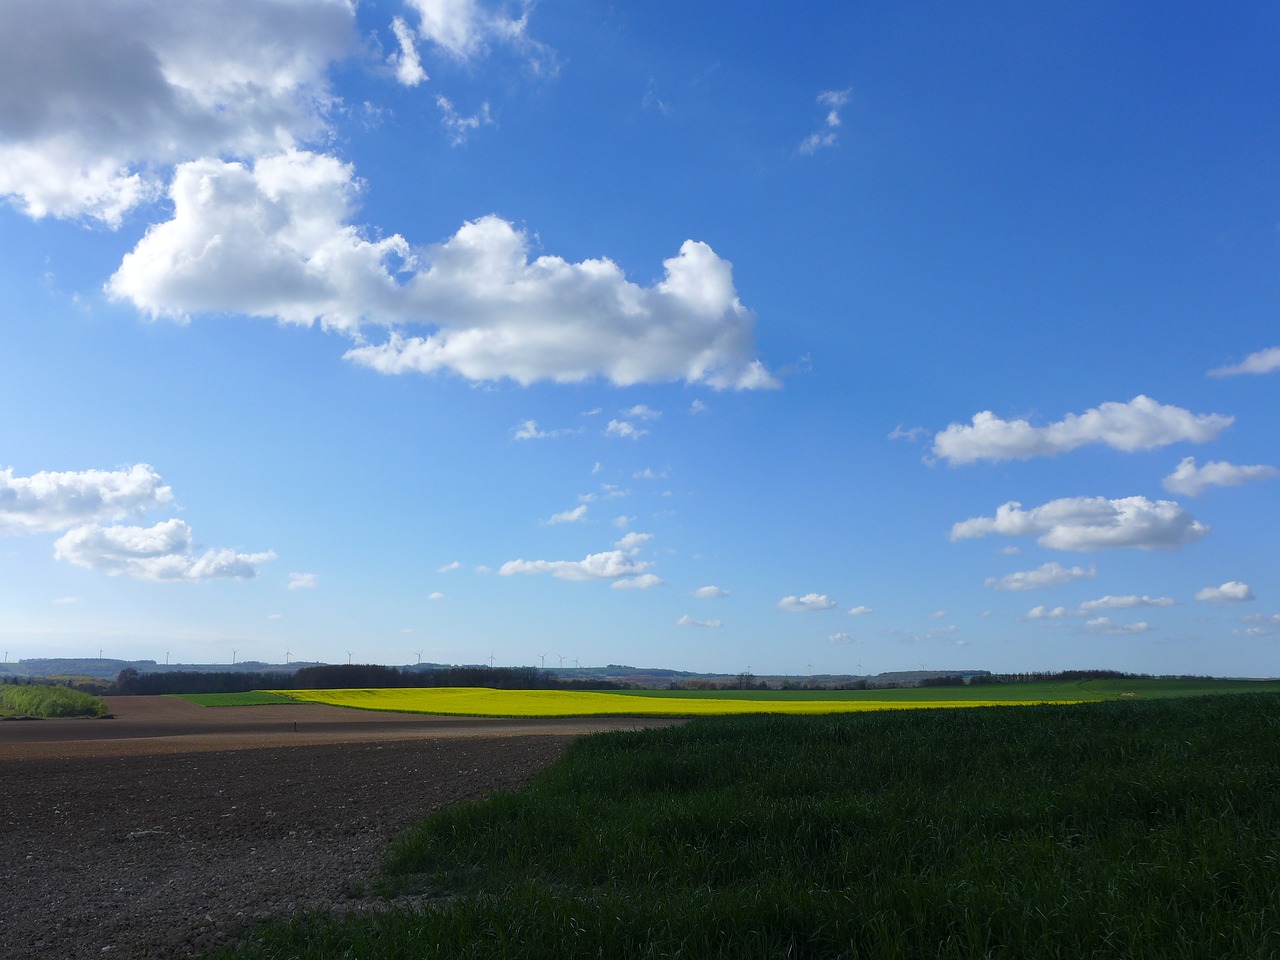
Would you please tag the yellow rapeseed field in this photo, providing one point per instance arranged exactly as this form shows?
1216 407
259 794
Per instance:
484 702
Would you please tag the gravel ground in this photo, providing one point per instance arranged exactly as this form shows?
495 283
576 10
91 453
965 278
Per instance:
165 841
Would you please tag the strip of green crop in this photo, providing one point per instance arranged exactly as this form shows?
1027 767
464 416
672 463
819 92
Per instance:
39 700
253 698
1115 831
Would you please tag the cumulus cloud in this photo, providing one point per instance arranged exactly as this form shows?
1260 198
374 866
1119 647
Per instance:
465 30
96 99
1191 480
688 621
860 611
840 637
810 601
51 501
449 567
1263 361
642 582
609 565
1233 591
163 551
642 412
1140 424
436 595
1046 575
624 429
826 136
711 592
1048 613
1091 523
633 541
303 581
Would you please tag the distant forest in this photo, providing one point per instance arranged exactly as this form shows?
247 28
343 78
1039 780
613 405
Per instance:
131 682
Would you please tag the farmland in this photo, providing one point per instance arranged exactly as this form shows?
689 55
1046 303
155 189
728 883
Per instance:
1135 828
44 701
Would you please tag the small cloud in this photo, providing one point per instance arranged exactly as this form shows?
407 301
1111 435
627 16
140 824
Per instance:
1046 575
911 434
302 581
711 592
483 568
1126 603
697 407
1264 361
642 582
568 516
436 596
841 637
809 602
833 100
449 567
623 521
67 601
633 541
460 127
275 616
649 473
937 615
1191 480
529 430
1230 592
1105 625
642 412
688 621
622 428
860 611
408 65
1046 613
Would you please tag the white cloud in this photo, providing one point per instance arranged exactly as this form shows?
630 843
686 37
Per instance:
688 621
642 412
810 601
1125 603
163 551
633 541
622 428
1191 480
450 567
458 126
67 601
697 406
1045 613
407 63
1105 625
437 595
840 637
911 434
860 611
465 28
569 516
1091 523
642 582
648 473
303 581
622 521
98 98
1230 592
609 565
1263 361
833 100
1140 424
937 615
1046 575
711 592
275 616
46 502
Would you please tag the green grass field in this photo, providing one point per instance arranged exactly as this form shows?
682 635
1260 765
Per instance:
1129 829
253 698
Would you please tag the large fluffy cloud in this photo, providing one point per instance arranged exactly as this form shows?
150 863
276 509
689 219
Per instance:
51 501
95 98
1140 424
1191 480
273 239
164 551
1091 523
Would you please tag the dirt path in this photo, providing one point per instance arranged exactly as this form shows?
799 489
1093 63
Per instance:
161 833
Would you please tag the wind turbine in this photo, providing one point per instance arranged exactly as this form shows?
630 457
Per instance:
542 657
561 656
419 656
490 659
348 658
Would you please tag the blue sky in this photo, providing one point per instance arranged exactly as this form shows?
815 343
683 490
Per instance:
817 338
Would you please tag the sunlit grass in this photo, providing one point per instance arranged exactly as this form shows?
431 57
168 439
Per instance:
252 698
484 702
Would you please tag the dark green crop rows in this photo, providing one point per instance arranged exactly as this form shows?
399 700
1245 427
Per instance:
1107 830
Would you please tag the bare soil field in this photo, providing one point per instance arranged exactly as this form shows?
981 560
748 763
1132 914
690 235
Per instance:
164 831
